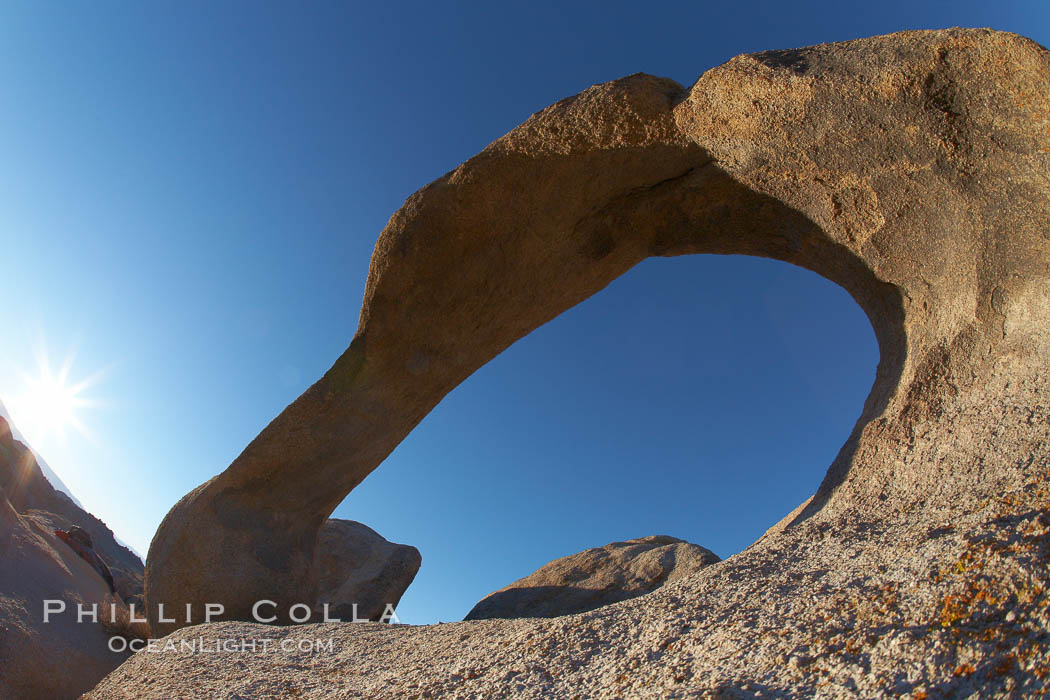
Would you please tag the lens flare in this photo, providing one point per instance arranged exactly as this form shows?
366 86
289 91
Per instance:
51 402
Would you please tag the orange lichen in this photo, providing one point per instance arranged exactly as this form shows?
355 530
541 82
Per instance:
954 608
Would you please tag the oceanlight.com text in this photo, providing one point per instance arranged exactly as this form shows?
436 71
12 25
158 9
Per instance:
200 645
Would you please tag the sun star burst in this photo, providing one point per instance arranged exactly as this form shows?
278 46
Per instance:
51 402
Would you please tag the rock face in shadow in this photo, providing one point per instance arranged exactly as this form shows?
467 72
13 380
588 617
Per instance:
32 495
912 170
356 565
596 577
62 658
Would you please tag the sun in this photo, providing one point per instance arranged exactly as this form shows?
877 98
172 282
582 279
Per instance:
51 403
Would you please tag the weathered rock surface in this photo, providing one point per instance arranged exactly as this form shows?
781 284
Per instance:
595 577
911 169
63 658
33 496
357 565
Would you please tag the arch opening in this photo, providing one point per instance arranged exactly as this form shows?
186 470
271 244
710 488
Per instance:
630 415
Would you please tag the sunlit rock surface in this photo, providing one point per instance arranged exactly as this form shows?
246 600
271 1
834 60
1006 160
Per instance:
595 577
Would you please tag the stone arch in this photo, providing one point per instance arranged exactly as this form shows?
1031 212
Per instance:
844 166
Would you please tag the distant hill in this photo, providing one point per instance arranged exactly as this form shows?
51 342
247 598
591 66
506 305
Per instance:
48 472
31 494
62 657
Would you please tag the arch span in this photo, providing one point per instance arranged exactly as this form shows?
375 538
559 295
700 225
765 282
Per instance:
817 157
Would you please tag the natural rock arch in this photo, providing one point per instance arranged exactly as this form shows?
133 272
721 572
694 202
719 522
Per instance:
881 165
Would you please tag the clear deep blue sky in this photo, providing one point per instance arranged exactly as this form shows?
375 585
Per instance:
189 197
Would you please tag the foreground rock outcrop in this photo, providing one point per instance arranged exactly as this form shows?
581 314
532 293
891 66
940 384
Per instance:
59 658
911 169
595 577
358 567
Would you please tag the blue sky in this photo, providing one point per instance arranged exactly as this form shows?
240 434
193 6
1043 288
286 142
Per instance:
190 197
